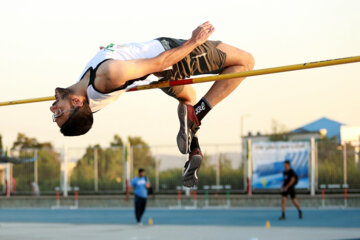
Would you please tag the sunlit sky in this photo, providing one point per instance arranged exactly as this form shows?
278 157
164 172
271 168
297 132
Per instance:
46 44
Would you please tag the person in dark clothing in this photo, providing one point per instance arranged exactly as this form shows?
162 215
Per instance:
288 188
141 184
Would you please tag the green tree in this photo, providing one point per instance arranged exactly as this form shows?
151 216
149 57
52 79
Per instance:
48 162
1 146
23 142
331 163
330 160
117 142
83 173
109 164
142 155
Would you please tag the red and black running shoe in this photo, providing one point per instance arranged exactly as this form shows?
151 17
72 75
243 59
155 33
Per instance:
192 167
189 124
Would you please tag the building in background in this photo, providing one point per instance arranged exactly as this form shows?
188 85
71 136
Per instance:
325 126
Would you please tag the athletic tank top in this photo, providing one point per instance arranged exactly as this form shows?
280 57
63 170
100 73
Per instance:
129 51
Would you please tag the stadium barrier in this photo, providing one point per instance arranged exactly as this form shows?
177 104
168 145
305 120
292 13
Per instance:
323 187
58 202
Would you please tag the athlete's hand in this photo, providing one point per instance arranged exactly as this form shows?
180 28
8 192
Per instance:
202 33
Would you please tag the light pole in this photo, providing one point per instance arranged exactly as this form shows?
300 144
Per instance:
242 117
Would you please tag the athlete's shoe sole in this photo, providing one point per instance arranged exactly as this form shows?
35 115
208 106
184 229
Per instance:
189 124
182 139
190 174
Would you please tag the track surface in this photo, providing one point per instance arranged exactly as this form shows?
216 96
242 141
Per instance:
248 224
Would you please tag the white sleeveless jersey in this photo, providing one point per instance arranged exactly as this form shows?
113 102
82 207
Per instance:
129 51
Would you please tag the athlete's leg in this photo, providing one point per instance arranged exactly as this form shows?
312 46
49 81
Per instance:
296 203
236 61
187 95
137 209
283 204
142 207
190 116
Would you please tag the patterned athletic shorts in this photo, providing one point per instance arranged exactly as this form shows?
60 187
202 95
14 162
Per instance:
205 59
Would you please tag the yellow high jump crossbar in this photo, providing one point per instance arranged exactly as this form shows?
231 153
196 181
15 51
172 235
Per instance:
264 71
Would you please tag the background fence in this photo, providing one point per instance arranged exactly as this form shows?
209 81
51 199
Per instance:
103 170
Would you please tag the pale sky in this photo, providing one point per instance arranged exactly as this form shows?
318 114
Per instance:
46 44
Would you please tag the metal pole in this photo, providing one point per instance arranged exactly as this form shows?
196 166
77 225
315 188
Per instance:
131 159
245 163
312 187
65 187
316 167
248 73
249 167
163 84
8 179
30 100
128 166
124 167
96 170
157 173
178 188
357 150
242 144
36 166
357 153
206 188
218 169
345 164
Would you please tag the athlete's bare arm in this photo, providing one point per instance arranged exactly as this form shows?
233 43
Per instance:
115 73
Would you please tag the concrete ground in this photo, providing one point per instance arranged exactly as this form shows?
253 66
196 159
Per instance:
47 231
244 224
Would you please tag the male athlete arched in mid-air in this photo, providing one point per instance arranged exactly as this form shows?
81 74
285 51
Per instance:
117 66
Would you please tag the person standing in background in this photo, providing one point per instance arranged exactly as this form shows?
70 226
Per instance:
140 184
288 188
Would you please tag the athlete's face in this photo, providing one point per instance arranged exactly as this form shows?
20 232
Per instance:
287 166
62 106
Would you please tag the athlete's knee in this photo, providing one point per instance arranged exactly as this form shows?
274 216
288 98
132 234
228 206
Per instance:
173 91
247 61
237 57
187 95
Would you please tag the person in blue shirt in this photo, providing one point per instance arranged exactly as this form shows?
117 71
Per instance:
140 184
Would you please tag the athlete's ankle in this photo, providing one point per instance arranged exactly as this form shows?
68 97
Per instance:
202 108
194 143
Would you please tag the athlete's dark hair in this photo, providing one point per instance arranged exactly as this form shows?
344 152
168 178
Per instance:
287 162
141 170
79 122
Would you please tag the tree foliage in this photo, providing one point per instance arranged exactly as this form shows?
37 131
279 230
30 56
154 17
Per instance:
48 162
142 155
1 146
331 163
23 142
